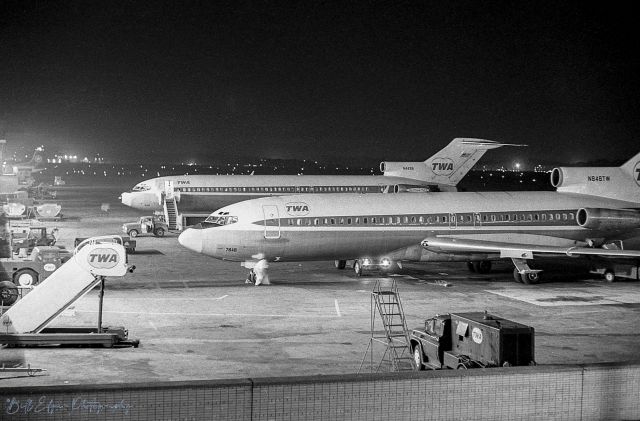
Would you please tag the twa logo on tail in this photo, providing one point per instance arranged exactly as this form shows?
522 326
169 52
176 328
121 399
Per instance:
103 258
442 166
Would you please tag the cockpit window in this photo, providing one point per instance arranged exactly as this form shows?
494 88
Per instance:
141 187
221 220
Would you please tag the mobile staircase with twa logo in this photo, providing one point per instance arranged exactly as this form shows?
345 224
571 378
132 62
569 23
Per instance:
26 322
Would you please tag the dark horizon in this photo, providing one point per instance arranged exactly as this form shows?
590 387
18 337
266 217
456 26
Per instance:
329 81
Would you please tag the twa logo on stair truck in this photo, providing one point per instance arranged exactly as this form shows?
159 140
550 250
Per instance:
103 258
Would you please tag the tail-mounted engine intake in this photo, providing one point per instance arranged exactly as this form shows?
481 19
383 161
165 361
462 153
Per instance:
608 219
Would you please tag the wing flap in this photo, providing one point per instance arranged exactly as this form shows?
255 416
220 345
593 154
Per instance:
519 251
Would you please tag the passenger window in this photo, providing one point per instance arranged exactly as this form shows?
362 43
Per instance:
333 221
364 220
341 221
316 221
421 220
493 218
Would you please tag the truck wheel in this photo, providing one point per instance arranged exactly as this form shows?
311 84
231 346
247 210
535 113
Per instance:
609 275
8 293
159 232
417 357
133 233
340 264
357 268
25 277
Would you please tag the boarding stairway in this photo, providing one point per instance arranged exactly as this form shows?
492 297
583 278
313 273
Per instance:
26 322
396 355
171 213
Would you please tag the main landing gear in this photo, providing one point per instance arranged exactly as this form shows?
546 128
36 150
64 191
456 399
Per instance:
482 266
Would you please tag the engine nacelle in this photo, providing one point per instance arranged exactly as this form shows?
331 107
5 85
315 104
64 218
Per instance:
408 188
611 182
412 170
608 219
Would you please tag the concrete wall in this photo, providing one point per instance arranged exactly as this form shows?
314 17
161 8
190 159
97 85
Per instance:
580 392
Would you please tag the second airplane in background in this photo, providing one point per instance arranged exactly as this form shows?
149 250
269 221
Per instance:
188 199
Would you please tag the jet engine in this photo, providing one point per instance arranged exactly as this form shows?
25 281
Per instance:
608 219
408 188
411 170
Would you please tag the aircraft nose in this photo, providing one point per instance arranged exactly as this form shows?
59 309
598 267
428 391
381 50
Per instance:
126 199
191 239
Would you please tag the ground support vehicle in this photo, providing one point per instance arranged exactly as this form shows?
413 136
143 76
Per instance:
615 271
155 225
25 237
28 272
366 265
128 243
472 340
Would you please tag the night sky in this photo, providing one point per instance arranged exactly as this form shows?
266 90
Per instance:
320 80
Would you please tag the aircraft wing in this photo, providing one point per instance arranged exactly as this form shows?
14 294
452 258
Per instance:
519 251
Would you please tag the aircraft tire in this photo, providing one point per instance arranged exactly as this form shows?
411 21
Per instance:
8 293
471 268
516 276
530 278
483 266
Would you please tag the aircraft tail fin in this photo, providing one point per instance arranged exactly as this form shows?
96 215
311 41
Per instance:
446 167
632 168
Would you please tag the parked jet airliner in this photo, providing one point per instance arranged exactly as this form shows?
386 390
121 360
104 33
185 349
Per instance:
593 212
199 195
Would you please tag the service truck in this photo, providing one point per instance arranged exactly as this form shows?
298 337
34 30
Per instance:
155 225
28 272
472 340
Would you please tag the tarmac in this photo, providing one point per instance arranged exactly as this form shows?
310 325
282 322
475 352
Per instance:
196 318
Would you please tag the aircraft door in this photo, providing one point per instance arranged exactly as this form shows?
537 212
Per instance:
477 221
453 221
271 221
169 193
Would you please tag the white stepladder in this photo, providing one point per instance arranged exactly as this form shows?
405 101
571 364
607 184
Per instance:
25 323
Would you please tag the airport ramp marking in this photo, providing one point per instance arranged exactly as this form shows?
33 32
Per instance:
152 313
337 308
554 297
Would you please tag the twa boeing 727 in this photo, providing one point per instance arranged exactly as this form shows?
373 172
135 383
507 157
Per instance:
193 197
593 212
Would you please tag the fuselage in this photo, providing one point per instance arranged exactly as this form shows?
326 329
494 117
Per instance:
334 226
206 193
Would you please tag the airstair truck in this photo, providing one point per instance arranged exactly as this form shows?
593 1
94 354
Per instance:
26 322
472 340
